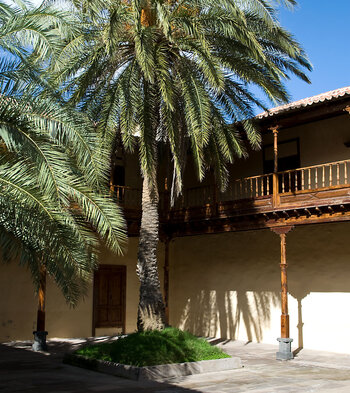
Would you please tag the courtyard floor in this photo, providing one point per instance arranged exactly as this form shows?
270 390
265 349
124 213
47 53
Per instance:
22 370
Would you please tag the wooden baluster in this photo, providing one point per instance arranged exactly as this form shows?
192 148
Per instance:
289 181
330 175
251 187
268 184
345 172
316 180
302 180
240 189
323 176
283 185
262 186
338 177
256 187
295 180
309 178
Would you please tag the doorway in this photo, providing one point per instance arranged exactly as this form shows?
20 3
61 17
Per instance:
109 298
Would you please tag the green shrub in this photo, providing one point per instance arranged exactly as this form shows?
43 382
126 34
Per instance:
155 347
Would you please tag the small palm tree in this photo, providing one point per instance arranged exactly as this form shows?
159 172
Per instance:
179 74
55 207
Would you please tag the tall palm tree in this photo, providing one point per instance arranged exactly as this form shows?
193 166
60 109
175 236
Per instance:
177 73
55 206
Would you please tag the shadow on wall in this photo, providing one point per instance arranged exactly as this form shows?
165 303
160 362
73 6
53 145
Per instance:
228 285
223 313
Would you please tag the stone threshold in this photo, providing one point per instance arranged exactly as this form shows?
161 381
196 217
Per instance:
154 373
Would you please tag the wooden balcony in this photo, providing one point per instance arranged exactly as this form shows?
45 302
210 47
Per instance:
319 193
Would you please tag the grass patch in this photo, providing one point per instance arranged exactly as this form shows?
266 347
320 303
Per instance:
152 348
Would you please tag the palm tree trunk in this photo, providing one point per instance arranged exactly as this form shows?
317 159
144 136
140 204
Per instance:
151 310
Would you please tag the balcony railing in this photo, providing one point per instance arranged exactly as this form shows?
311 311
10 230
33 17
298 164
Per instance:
129 197
315 177
297 181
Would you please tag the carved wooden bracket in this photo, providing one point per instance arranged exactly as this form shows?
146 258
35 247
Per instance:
275 129
347 109
282 230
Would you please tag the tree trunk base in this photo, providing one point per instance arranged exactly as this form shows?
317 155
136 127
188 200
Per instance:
151 317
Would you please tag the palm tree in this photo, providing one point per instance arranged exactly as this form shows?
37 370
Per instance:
55 207
179 74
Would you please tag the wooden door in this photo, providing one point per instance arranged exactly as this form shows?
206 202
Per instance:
109 297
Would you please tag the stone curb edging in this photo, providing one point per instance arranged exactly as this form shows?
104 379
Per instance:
155 373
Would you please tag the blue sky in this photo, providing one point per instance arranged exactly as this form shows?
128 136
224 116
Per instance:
323 29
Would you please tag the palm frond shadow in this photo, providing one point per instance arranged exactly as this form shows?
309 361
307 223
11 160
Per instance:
223 313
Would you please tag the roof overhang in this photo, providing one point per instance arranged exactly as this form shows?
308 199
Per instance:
325 105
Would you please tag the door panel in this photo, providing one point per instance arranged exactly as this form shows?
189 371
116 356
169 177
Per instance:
109 297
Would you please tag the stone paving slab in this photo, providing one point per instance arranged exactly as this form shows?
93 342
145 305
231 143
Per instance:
24 371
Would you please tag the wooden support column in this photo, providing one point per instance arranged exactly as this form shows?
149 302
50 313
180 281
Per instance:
166 281
40 333
285 341
284 289
275 195
40 321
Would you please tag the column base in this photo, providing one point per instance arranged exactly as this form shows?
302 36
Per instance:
39 343
284 352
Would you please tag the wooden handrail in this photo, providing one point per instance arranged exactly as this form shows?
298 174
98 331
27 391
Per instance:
321 176
254 177
313 166
125 187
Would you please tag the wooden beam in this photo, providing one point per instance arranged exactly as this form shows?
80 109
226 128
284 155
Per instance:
347 109
297 214
282 232
285 214
194 228
318 210
307 211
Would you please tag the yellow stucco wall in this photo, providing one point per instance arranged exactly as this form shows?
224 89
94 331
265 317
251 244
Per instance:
228 285
320 142
225 285
18 303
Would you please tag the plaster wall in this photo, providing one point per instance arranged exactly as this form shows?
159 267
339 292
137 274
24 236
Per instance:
18 302
228 286
320 142
225 285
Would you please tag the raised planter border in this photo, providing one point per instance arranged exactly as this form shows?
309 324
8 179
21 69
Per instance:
155 373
